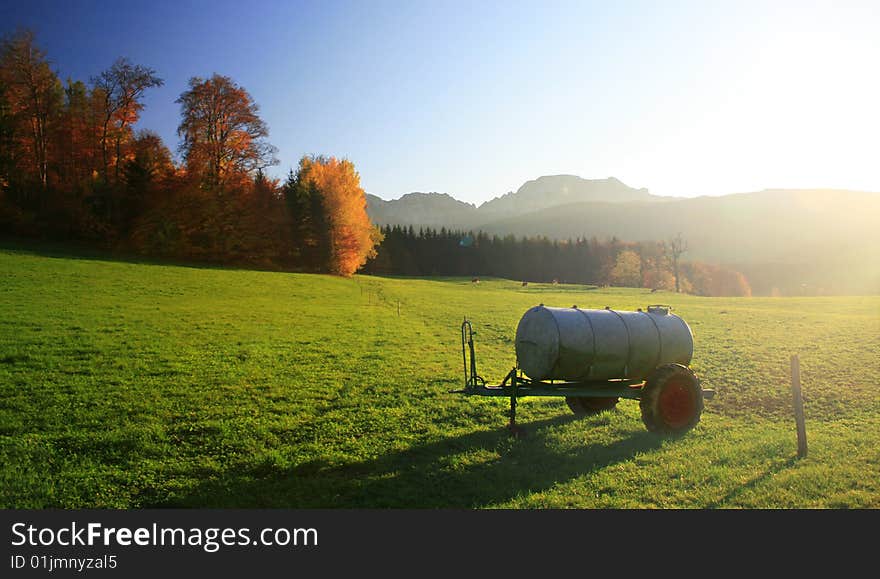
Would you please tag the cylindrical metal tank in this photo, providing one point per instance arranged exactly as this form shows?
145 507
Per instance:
575 344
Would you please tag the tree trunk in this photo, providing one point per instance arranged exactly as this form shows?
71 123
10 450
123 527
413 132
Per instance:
104 148
675 271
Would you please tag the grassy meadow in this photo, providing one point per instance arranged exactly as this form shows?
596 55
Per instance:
133 385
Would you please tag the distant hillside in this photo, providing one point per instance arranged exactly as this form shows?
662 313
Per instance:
425 209
794 241
823 240
555 190
777 224
440 209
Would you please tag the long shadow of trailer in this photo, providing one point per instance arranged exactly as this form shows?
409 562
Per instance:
422 476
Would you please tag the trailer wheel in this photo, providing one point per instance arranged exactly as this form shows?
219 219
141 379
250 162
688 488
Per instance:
672 400
583 406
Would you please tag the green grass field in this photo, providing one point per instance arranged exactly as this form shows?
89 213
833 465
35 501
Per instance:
139 385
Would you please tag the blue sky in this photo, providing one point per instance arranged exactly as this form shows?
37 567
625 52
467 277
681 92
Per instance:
474 98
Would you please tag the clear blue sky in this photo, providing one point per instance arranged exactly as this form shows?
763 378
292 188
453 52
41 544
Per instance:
473 98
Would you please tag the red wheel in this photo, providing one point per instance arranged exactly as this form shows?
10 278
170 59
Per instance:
582 406
676 404
672 400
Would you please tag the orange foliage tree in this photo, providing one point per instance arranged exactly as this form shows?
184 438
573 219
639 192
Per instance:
714 280
627 266
31 95
352 237
223 135
118 90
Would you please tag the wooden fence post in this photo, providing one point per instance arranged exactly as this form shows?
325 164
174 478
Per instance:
798 406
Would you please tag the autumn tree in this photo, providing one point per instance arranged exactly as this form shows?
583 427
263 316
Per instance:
7 140
260 233
150 159
351 236
715 280
120 89
31 95
221 131
627 269
658 279
76 143
676 247
144 174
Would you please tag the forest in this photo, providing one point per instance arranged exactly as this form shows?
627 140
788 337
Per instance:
656 265
73 168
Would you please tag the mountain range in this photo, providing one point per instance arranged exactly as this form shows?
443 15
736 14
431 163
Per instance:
443 210
787 240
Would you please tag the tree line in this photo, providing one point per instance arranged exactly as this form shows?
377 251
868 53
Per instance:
655 265
72 167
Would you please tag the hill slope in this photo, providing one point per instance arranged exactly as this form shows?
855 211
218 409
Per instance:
428 209
818 240
130 385
556 190
822 238
441 209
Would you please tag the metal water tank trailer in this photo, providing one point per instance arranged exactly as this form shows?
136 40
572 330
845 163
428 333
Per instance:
595 358
584 345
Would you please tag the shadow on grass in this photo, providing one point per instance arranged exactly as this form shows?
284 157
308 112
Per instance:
82 251
473 470
722 503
